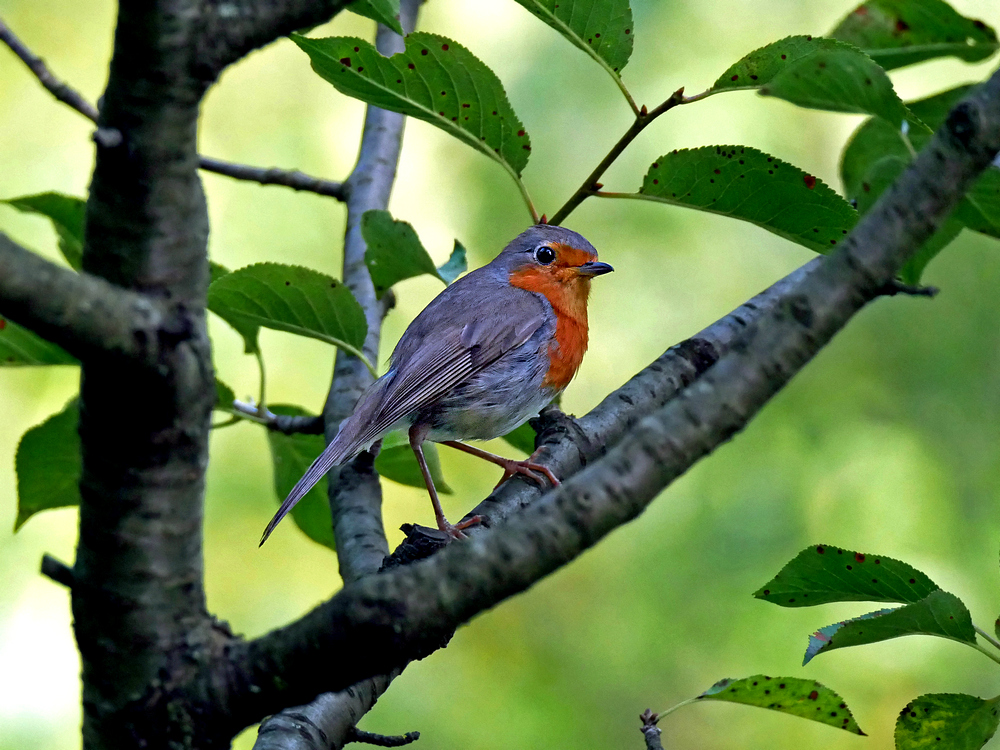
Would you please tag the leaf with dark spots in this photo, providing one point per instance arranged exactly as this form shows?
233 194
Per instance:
895 33
411 82
66 212
385 12
939 613
288 298
760 66
744 183
49 465
947 720
807 699
823 573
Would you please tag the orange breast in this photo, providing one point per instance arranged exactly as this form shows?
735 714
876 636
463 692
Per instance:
567 292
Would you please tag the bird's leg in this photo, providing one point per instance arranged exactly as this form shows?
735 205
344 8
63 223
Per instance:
510 467
417 434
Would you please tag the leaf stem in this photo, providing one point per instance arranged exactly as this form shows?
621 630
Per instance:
231 421
262 401
643 118
524 194
670 710
981 648
987 637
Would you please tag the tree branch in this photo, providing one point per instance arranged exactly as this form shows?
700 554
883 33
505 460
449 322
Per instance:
382 621
62 91
85 314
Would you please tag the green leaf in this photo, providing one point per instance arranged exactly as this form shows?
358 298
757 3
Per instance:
823 573
289 298
216 271
385 12
292 455
20 347
67 215
49 465
455 266
744 183
939 613
224 396
947 720
393 251
895 33
762 65
601 28
790 695
843 79
397 462
436 80
522 438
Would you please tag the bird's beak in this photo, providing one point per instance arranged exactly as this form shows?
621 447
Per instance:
593 268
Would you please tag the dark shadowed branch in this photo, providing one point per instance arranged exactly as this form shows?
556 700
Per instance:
291 178
380 622
84 314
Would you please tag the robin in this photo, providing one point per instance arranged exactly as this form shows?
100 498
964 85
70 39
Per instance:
486 354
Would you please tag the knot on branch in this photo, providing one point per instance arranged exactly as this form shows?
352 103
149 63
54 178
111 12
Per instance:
553 425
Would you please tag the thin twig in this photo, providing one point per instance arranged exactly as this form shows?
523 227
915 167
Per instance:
58 571
283 423
650 732
989 638
591 185
291 178
381 740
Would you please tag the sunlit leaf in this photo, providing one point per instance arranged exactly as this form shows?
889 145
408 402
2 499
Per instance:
20 347
601 28
455 266
823 573
288 298
790 695
744 183
393 252
386 12
939 613
436 80
291 456
895 33
947 720
67 216
522 438
762 65
842 79
397 462
49 465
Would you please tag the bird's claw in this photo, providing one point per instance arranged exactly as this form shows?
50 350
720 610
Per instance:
455 531
535 472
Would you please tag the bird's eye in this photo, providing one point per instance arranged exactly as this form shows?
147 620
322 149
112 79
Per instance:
544 254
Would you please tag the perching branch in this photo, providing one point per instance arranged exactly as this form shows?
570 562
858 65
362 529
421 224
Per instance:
84 314
383 621
62 91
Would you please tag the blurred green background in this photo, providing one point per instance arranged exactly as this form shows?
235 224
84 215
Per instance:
887 443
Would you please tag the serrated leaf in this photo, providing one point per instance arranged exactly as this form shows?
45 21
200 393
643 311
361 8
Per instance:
744 183
762 65
397 462
436 80
216 271
393 252
947 720
67 216
288 298
823 573
455 266
522 438
224 396
895 33
49 465
843 79
291 456
385 12
807 699
939 613
601 28
20 347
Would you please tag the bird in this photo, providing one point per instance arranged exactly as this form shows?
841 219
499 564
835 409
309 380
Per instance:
489 352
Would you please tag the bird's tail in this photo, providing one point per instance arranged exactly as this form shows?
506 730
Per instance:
340 450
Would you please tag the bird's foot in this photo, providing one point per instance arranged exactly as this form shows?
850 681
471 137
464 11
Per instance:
456 531
528 468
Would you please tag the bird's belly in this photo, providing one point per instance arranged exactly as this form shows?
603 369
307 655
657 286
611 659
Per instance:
492 403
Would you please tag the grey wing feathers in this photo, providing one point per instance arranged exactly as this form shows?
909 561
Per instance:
428 362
